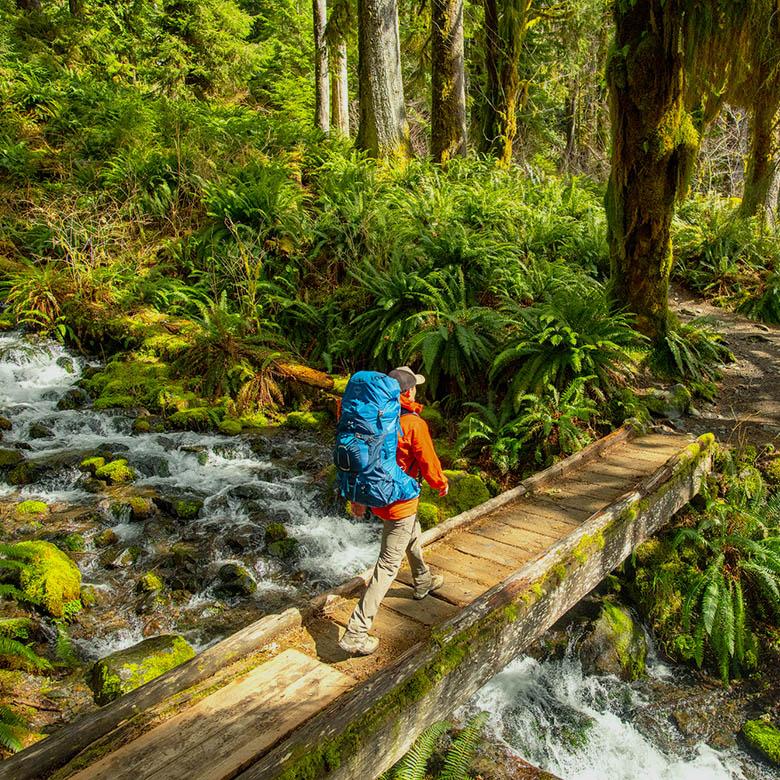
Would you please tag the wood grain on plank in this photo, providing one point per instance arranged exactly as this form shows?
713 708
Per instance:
527 542
460 591
491 549
540 507
158 748
544 526
472 567
429 611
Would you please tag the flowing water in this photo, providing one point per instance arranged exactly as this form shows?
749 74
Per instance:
244 484
586 727
550 713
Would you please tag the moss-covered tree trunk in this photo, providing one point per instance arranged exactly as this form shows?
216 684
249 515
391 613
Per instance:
448 103
506 25
764 153
654 145
383 130
339 87
322 87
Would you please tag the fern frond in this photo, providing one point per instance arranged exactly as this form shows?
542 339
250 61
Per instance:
461 753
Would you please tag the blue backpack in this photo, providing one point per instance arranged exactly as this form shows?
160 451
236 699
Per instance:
367 440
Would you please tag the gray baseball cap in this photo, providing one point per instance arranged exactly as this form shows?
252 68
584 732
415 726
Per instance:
406 377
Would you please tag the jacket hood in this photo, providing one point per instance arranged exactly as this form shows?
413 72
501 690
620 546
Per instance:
411 406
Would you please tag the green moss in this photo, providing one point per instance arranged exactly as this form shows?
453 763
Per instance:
106 538
466 492
129 669
763 737
5 424
200 418
230 427
340 384
307 421
73 542
275 532
435 420
141 425
48 578
187 508
256 420
91 465
10 458
630 653
149 583
427 514
116 472
284 548
26 509
773 470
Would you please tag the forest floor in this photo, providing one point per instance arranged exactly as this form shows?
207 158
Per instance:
747 407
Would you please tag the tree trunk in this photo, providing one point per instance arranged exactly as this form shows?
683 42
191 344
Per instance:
654 146
339 94
29 5
74 6
383 130
448 104
322 101
505 31
763 155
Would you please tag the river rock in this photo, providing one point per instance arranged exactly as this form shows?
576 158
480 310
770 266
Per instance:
183 567
615 644
245 537
183 506
152 465
40 431
75 398
9 459
234 580
5 424
128 669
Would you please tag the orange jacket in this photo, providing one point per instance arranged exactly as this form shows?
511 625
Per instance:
417 457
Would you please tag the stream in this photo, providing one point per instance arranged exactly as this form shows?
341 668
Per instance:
550 712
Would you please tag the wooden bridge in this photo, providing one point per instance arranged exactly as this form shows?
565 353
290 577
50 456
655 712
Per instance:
279 699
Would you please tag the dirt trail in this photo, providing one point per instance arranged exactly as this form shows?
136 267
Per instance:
747 409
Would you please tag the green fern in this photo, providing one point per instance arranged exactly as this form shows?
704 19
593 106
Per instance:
461 753
413 766
12 729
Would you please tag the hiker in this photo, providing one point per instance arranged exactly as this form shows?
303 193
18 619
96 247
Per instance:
401 530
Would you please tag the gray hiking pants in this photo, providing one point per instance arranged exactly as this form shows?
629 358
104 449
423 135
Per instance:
398 537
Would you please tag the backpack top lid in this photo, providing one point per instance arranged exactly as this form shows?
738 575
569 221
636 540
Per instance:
370 401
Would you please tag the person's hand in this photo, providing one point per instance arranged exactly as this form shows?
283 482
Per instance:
443 491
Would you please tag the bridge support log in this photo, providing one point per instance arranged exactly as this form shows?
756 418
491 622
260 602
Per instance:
367 730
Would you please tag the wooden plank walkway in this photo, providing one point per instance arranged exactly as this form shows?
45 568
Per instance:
232 731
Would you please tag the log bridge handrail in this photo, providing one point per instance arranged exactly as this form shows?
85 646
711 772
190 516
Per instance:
392 707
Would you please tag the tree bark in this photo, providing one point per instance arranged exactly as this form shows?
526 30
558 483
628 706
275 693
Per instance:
654 145
505 31
763 155
322 97
448 104
29 5
383 130
339 93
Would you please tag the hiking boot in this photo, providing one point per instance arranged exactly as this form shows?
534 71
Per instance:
436 582
357 644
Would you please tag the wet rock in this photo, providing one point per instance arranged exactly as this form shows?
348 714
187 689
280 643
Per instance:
261 491
40 431
149 583
120 559
242 539
9 459
73 399
615 644
106 538
26 473
183 567
91 485
66 364
275 532
152 465
126 670
234 580
284 548
136 508
5 424
185 507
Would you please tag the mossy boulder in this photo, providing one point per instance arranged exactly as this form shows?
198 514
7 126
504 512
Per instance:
9 459
307 421
40 431
199 418
106 538
26 510
230 427
427 514
116 472
183 507
5 424
142 425
283 548
75 398
134 380
234 580
47 577
763 737
137 508
149 583
615 645
92 464
126 670
466 491
26 473
72 542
